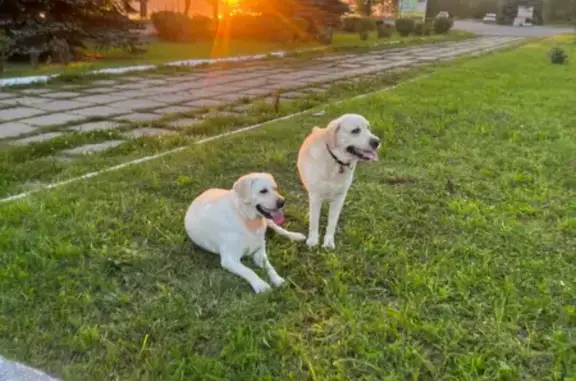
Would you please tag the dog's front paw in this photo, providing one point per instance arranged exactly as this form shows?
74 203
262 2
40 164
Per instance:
328 242
260 287
312 241
277 281
297 237
259 259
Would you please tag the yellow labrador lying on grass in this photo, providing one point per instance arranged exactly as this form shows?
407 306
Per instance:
232 223
326 163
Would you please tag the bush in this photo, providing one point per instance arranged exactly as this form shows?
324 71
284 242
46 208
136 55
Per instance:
422 29
404 26
384 30
174 26
349 24
354 24
6 46
302 29
443 25
325 36
558 56
263 28
59 51
364 26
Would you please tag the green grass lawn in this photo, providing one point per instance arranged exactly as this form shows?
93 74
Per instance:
159 52
456 255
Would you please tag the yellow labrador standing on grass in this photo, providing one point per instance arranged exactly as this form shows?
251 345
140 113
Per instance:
326 163
232 223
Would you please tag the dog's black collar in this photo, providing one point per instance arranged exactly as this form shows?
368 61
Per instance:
340 162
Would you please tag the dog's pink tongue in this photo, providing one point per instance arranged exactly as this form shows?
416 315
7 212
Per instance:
277 217
372 155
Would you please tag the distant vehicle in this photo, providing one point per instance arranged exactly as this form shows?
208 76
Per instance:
443 15
490 18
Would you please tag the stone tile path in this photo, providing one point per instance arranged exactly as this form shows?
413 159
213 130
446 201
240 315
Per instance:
38 115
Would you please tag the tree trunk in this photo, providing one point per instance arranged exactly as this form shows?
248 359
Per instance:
215 10
143 9
368 8
187 5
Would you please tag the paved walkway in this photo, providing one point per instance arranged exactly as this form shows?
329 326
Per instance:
39 114
481 29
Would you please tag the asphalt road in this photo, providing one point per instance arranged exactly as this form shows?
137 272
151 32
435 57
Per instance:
504 30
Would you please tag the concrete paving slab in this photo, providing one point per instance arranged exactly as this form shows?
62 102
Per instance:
12 129
174 110
18 113
53 119
61 94
27 101
138 104
96 126
61 105
138 117
100 111
206 103
36 138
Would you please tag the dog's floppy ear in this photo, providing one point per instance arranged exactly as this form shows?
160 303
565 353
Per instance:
243 188
331 133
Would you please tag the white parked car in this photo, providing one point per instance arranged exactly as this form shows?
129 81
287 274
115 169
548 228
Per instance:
443 15
490 18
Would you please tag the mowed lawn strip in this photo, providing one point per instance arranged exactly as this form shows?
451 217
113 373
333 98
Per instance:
455 255
160 52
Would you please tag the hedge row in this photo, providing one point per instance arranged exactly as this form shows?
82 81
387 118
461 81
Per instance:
404 26
173 26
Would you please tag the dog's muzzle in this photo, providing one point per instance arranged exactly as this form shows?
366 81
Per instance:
275 215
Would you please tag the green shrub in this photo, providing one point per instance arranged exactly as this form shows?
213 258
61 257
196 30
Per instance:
59 51
349 24
353 24
443 25
418 29
302 29
6 46
258 27
325 36
422 29
364 26
404 26
558 56
384 30
173 26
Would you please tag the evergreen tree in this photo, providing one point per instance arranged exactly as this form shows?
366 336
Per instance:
58 27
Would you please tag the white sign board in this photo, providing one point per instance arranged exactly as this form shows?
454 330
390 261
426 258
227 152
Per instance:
525 12
412 8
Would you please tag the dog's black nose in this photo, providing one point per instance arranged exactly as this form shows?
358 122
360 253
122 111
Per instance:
280 203
374 143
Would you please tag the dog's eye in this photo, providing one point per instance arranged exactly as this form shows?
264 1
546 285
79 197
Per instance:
356 131
264 191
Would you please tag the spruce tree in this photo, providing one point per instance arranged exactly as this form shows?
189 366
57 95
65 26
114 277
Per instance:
59 27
